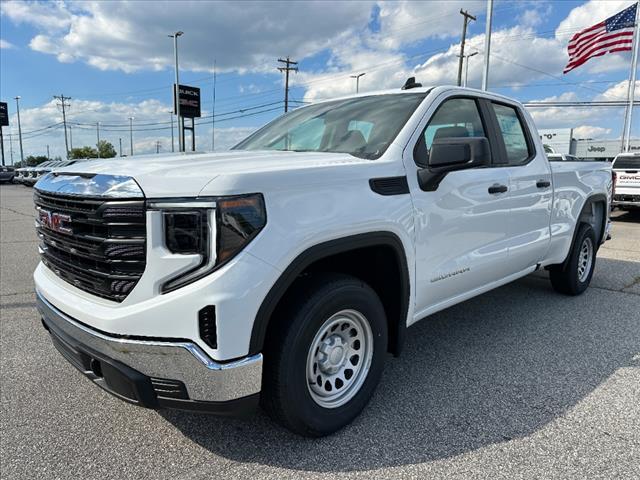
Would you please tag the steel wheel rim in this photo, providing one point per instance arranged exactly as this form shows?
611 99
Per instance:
585 259
339 358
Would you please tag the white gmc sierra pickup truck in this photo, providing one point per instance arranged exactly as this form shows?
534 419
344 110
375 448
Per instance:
284 270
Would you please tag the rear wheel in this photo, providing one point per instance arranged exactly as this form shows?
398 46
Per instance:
576 275
325 356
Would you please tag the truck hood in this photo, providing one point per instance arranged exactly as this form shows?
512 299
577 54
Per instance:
188 174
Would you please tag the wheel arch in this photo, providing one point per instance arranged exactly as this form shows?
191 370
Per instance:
332 250
594 213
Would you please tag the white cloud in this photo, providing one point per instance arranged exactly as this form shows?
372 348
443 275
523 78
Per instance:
241 36
49 16
4 45
589 131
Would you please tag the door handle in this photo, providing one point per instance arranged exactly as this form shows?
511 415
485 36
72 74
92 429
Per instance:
497 188
543 184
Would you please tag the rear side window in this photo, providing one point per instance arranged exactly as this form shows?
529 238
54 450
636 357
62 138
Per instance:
513 133
626 162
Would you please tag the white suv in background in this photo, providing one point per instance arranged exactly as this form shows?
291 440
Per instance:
626 173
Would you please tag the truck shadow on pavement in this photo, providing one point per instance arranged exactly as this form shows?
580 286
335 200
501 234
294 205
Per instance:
495 368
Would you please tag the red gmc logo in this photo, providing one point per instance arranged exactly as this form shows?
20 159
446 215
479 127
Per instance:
58 222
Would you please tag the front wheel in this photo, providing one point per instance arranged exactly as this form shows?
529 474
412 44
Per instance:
325 357
576 275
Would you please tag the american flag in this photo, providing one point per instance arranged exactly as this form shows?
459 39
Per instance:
615 34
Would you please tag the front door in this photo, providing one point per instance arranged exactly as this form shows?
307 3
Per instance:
461 227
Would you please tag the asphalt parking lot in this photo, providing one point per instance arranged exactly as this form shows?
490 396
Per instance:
518 383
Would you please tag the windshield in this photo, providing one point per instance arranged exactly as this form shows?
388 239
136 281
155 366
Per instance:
361 126
627 162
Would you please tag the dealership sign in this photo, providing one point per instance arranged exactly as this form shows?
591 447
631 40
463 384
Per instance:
189 101
4 114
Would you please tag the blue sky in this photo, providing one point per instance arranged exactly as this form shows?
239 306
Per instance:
115 60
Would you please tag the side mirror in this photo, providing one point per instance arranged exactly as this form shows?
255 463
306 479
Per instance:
451 154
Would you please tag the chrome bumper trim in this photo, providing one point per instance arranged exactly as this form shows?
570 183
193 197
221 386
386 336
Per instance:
205 379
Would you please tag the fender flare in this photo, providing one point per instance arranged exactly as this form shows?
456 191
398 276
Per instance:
324 250
598 197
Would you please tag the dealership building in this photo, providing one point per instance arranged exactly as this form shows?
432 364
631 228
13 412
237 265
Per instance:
563 141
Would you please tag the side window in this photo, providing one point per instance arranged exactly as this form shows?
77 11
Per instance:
458 117
515 140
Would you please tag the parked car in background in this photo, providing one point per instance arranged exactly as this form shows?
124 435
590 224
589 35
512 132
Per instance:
24 174
7 174
284 270
626 185
39 170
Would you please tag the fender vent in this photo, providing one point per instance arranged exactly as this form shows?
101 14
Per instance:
389 185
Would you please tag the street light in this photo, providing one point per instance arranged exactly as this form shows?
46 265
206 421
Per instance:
176 91
357 77
19 130
466 68
131 135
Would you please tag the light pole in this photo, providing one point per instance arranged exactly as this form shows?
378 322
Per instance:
357 77
98 135
19 129
131 136
176 91
173 148
466 67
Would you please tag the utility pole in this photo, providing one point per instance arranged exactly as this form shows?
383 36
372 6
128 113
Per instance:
11 145
131 136
286 71
176 92
2 144
63 104
487 45
213 113
120 142
157 146
48 155
173 148
357 77
19 129
98 134
467 16
70 138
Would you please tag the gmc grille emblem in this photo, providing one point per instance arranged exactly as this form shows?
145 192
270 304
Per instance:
58 222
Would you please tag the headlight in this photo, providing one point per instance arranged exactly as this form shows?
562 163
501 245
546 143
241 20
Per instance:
217 229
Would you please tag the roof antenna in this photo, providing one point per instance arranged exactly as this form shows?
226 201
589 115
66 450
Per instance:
411 83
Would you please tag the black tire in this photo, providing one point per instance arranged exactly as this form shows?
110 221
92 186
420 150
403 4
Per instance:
286 395
568 280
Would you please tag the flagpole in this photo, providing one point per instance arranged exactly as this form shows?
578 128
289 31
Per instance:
487 46
631 88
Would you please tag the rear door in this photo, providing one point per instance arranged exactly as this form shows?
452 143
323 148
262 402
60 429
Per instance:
530 188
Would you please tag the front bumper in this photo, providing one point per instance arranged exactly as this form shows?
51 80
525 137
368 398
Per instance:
155 373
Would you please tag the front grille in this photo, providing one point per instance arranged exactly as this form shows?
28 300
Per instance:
105 252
